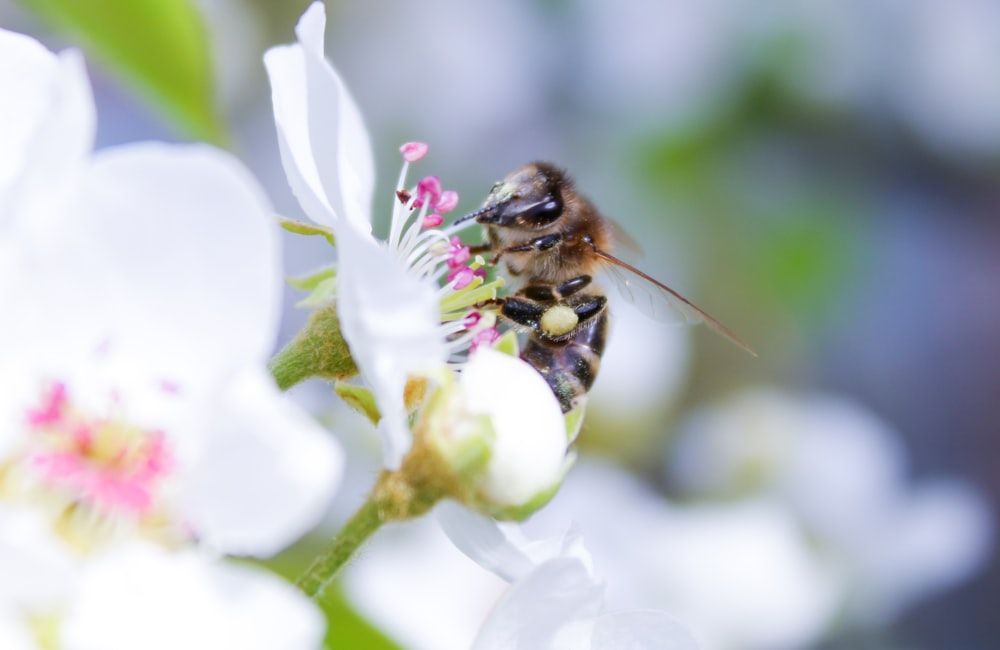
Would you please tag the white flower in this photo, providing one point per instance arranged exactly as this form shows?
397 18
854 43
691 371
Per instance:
554 601
140 295
842 473
389 300
738 575
144 597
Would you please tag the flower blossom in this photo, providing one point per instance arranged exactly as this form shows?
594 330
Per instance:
554 600
140 291
406 304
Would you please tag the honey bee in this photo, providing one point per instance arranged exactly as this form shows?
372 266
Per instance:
554 239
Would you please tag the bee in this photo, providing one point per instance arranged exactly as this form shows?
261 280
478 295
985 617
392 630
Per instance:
555 240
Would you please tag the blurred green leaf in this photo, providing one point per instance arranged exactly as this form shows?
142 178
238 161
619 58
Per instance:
303 228
161 46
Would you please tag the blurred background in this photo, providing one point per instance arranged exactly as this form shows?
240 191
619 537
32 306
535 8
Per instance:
823 176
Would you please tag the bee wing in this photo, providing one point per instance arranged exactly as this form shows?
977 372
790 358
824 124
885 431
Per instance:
660 302
621 238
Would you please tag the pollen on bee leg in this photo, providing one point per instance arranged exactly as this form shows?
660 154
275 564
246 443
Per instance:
559 320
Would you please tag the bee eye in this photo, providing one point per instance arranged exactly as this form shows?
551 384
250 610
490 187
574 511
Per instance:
544 212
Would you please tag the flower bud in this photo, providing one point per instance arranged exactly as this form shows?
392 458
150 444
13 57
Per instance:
499 428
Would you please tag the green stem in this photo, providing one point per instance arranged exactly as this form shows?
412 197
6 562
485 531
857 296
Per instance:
404 494
327 564
319 350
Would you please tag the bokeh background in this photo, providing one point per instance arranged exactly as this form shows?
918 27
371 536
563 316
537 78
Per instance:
821 175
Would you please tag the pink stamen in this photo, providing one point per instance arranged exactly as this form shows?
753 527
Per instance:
51 411
99 461
462 277
432 220
170 387
472 319
413 151
428 191
458 253
486 336
447 202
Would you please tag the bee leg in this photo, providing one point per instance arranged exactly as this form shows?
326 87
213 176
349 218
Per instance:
589 307
522 312
572 286
479 249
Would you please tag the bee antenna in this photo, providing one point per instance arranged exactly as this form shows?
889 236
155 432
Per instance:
473 215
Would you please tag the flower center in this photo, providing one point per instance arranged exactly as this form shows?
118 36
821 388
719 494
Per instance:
437 253
105 462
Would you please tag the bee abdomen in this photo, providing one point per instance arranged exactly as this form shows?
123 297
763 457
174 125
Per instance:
570 367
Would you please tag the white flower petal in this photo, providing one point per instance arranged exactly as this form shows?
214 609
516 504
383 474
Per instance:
144 597
553 607
289 95
529 453
37 568
392 332
325 145
640 630
266 474
339 138
481 539
185 236
46 121
15 634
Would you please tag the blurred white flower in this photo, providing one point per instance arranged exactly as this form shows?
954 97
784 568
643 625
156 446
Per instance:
389 299
141 296
142 596
842 473
945 76
738 576
554 600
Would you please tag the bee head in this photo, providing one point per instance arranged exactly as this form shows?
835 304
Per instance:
529 198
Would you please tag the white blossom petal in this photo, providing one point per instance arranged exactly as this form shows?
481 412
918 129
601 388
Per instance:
553 607
144 597
324 144
15 634
266 474
47 122
392 331
481 539
36 566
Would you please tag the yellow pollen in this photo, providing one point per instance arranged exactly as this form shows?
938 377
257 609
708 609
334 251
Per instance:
559 320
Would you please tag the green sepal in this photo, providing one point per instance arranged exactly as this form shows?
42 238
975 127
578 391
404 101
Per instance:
324 292
318 350
507 344
358 398
310 281
303 228
574 421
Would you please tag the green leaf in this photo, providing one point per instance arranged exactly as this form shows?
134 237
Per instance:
160 46
302 228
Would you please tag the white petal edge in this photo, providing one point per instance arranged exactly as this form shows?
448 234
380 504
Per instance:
553 607
481 539
322 138
144 597
266 474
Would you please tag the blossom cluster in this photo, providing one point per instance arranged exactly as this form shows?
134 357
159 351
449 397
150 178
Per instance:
141 436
